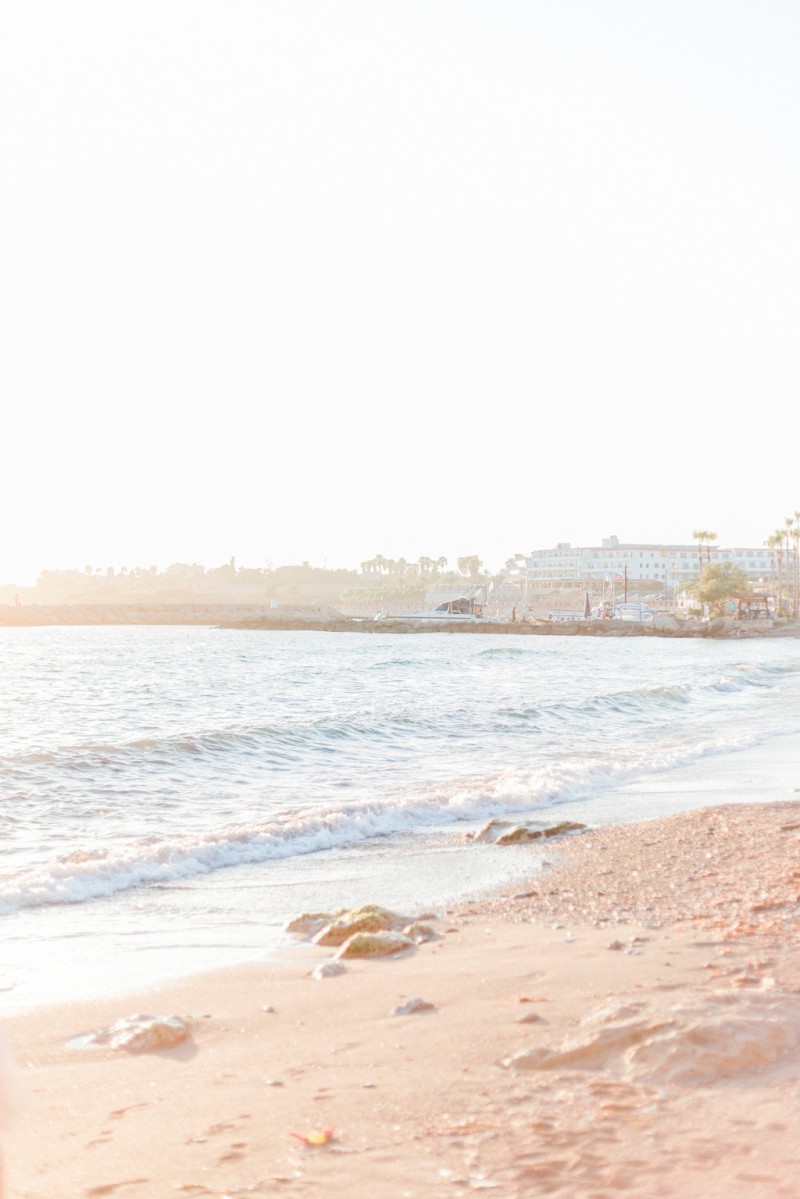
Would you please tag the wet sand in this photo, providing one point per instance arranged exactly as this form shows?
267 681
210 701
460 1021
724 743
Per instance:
628 1022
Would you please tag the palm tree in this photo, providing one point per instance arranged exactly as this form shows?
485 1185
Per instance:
774 542
699 535
787 533
709 538
441 563
470 565
702 536
793 531
777 540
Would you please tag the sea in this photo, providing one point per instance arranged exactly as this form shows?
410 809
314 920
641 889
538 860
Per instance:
170 796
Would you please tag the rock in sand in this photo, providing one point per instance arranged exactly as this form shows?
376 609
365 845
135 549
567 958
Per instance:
369 919
412 1006
138 1034
328 970
373 945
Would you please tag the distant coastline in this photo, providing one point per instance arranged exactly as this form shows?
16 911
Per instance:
328 620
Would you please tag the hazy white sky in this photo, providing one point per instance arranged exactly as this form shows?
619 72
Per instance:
321 280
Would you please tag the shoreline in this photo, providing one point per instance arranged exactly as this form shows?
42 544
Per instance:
434 869
695 1011
259 617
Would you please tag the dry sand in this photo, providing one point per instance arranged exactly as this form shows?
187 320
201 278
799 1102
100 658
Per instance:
666 1066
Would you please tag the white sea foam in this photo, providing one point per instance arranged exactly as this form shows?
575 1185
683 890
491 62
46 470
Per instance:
133 756
168 790
98 872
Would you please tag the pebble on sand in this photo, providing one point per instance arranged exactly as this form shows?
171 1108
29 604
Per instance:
413 1005
328 970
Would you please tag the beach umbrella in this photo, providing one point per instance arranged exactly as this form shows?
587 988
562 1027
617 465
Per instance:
587 607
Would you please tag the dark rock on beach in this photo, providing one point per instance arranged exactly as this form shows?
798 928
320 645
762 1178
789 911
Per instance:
502 832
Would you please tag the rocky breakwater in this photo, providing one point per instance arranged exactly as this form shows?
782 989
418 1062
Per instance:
660 626
325 619
722 627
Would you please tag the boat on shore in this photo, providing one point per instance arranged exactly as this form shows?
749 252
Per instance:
470 606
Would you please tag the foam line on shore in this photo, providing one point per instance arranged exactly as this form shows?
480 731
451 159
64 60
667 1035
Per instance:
97 872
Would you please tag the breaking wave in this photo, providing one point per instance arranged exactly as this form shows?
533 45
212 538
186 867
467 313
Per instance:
216 757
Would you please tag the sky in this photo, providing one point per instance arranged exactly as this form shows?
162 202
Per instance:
324 279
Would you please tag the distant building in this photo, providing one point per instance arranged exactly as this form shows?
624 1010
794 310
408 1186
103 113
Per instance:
668 567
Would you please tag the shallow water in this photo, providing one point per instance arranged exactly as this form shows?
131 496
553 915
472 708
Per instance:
169 795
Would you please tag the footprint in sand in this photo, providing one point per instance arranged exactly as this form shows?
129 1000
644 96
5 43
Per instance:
107 1133
103 1139
108 1187
119 1112
226 1126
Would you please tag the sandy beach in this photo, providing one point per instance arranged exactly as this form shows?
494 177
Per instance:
629 1023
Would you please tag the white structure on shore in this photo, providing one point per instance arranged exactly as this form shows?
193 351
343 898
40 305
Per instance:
668 567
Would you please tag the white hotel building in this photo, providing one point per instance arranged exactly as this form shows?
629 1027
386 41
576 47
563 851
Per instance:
668 567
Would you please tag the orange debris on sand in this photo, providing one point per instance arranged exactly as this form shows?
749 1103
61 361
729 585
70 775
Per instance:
314 1138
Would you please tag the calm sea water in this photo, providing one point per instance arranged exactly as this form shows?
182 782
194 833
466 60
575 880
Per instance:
169 796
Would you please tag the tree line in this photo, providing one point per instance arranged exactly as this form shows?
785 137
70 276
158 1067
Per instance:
424 569
378 574
720 582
